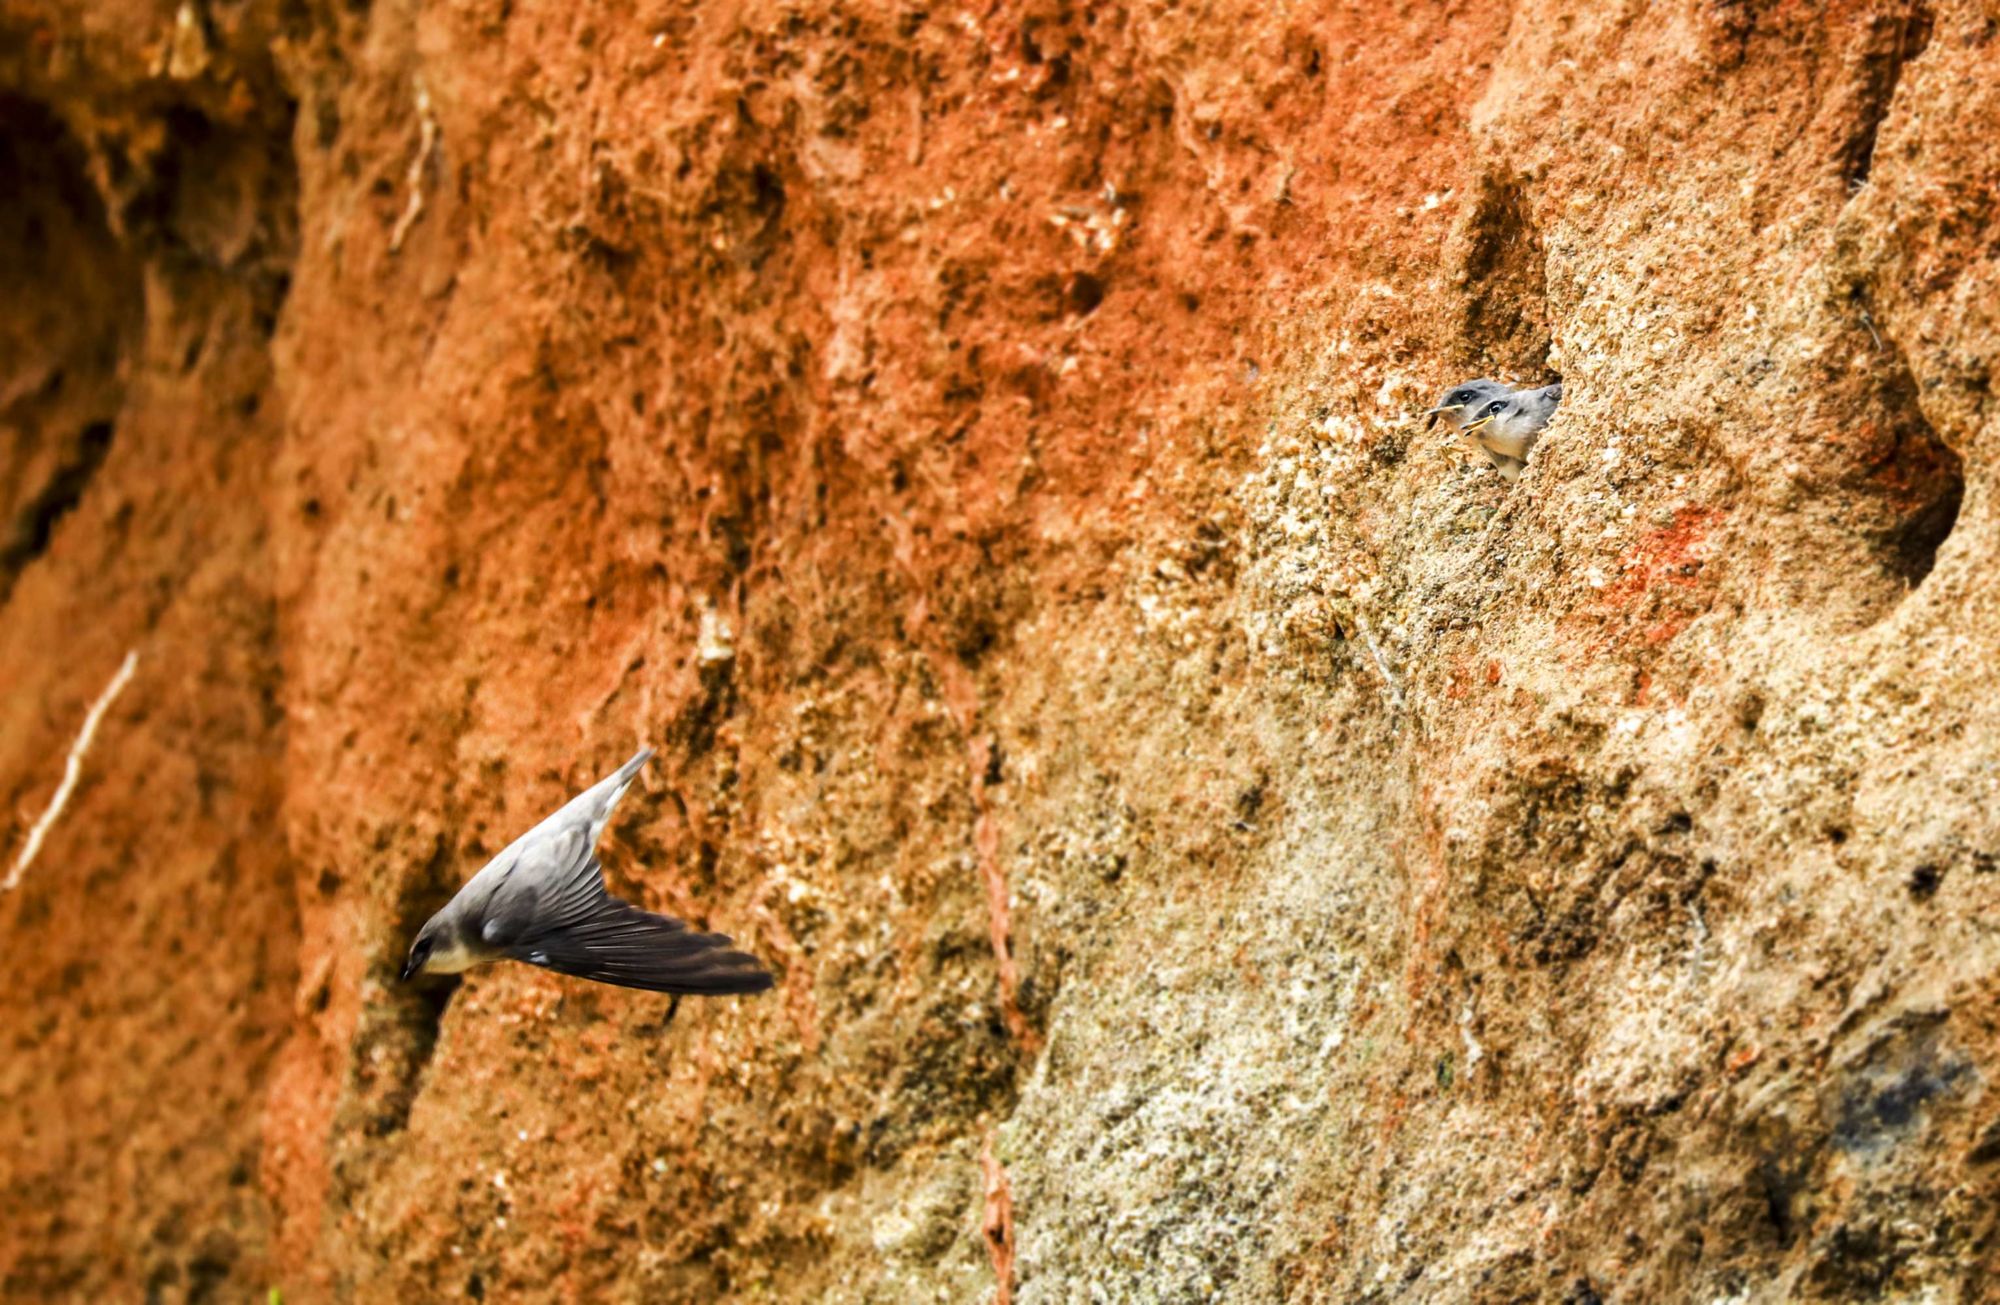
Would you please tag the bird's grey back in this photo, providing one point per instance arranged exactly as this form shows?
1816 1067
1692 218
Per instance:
1530 410
539 862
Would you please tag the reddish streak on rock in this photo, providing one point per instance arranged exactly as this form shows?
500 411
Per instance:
1673 555
963 701
997 1224
1666 630
1459 682
1428 886
986 840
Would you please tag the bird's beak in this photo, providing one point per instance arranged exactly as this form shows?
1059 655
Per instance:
409 968
1433 416
1472 426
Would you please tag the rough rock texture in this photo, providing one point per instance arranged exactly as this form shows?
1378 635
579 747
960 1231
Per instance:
1217 840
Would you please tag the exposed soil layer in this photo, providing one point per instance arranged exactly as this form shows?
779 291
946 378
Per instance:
1216 839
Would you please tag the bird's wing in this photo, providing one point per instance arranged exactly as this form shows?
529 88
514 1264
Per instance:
616 942
561 918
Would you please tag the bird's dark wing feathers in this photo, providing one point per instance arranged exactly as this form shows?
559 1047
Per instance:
573 926
615 942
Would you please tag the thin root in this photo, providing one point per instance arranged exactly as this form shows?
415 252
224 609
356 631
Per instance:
71 769
427 138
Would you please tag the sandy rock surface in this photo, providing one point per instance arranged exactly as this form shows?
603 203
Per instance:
1217 841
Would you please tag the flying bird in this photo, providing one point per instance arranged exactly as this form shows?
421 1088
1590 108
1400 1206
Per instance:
1508 428
543 901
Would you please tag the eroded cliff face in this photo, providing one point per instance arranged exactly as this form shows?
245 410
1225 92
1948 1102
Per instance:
1216 841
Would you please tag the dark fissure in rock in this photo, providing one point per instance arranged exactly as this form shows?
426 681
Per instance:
1921 482
1506 314
70 304
1893 40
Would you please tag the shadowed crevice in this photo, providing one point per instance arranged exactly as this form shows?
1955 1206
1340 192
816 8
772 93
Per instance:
399 1025
1912 550
34 522
392 1049
1893 40
70 307
1503 270
1915 479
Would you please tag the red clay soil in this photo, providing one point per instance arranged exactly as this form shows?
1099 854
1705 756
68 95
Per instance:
1216 840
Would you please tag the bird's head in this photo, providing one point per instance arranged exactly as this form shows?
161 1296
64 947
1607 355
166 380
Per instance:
1459 398
437 950
1484 414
